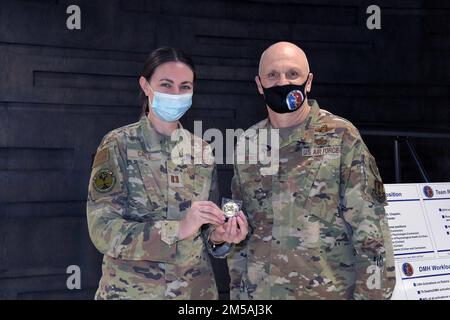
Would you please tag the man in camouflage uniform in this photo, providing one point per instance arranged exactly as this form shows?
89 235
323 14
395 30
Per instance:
141 186
319 229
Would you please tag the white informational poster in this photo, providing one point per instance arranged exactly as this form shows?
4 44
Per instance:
419 220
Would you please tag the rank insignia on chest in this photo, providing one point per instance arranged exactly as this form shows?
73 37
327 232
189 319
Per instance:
175 180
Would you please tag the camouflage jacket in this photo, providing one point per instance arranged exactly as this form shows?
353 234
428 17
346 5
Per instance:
319 225
137 196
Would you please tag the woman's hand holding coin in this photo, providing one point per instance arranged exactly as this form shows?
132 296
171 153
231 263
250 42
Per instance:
233 231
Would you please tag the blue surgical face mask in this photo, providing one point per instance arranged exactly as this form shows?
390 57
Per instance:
170 107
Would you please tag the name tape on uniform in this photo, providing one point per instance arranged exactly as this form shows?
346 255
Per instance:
139 154
315 152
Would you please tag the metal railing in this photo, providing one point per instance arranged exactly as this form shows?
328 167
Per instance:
404 136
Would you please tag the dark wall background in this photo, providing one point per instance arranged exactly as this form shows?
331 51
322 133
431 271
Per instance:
62 90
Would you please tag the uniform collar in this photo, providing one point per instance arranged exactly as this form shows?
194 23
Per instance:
302 131
153 140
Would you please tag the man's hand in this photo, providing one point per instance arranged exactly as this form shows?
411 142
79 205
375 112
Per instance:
233 231
200 213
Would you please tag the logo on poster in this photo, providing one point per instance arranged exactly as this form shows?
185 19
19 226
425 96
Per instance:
428 192
407 269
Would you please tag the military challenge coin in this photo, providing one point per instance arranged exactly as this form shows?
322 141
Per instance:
231 207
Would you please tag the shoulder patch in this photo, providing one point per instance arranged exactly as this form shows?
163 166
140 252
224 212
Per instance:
373 186
378 191
104 180
101 157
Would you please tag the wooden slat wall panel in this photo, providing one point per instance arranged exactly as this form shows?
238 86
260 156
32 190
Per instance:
61 91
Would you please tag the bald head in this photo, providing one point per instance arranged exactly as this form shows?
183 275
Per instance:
282 52
281 64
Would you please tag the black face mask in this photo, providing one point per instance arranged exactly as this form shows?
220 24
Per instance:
285 99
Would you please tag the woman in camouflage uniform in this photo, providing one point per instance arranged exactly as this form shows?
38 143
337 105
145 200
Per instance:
148 199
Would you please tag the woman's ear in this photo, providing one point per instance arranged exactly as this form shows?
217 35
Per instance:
145 86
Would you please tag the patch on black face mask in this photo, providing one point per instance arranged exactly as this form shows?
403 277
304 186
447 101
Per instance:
285 99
